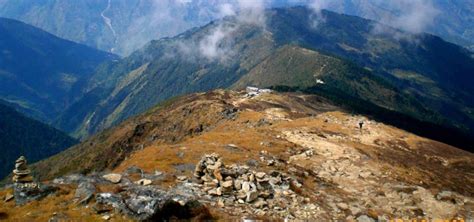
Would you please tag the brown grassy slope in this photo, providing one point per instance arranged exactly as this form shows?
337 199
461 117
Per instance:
407 158
198 124
170 139
165 124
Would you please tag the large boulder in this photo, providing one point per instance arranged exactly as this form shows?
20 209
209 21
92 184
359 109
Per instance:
153 204
26 192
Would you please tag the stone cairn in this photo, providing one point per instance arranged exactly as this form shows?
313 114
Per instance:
21 173
239 182
240 190
24 189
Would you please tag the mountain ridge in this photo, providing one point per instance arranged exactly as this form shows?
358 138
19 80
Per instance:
41 72
403 62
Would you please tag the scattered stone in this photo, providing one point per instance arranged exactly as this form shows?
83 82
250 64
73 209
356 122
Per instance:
342 206
251 196
446 196
84 192
106 217
9 197
182 178
246 187
101 208
220 203
365 174
309 153
252 163
232 147
143 182
260 175
227 186
365 218
260 203
113 177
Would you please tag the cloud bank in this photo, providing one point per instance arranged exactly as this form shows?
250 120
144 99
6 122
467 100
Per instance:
171 17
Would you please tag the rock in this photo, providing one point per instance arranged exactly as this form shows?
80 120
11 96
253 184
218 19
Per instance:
143 182
309 153
252 163
446 196
232 147
260 175
238 184
211 184
259 203
246 187
9 197
215 191
106 217
113 177
84 192
220 203
365 218
182 178
251 196
26 192
355 210
101 208
365 174
342 206
147 203
217 174
227 186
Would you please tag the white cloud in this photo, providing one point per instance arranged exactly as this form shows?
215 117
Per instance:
252 11
415 15
317 6
217 44
214 45
226 9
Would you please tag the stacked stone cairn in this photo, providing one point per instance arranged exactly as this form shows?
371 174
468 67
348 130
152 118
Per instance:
24 189
21 173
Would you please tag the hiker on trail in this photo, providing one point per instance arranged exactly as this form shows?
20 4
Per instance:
361 123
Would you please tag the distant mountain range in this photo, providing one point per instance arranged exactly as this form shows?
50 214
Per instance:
124 26
419 75
20 135
40 73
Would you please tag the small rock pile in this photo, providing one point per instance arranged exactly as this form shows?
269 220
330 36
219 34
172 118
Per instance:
235 185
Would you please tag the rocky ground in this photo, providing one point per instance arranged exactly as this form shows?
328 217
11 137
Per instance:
265 156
